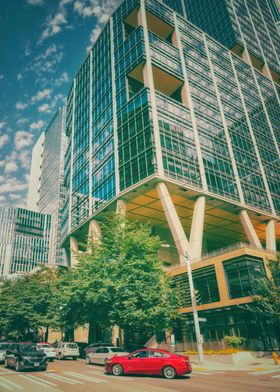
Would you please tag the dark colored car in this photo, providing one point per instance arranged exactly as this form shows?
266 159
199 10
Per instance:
149 361
21 356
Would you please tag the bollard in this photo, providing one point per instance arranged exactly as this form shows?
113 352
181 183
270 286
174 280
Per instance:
275 358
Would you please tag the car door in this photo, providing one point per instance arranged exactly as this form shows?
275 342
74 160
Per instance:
138 362
156 362
95 356
12 356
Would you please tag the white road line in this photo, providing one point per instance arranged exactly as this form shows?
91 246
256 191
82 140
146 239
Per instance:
11 384
278 376
36 381
44 381
203 373
5 385
263 372
84 377
64 379
6 370
125 378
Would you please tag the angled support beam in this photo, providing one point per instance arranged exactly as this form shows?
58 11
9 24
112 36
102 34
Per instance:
197 227
270 235
121 207
249 229
176 228
94 233
74 249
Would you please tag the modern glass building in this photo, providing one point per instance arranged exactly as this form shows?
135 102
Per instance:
51 190
275 10
176 128
24 240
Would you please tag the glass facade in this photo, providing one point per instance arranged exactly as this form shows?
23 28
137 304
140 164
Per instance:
24 240
241 273
51 191
157 96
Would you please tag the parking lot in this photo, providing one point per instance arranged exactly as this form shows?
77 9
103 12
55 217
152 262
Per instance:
76 376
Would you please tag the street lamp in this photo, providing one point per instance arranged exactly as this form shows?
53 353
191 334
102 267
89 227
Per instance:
199 339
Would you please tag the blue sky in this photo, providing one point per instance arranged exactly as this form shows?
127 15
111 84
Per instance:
42 45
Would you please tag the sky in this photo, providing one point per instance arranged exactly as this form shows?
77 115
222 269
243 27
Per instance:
42 45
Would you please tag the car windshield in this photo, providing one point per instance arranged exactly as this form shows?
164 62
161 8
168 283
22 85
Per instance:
71 345
42 346
28 347
117 350
4 346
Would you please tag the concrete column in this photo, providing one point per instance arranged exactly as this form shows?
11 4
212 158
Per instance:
197 227
115 335
94 234
270 235
121 207
179 236
249 229
74 249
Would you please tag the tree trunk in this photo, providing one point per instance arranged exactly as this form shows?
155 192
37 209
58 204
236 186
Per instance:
47 334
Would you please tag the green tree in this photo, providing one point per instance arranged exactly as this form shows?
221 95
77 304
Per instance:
267 296
121 281
26 304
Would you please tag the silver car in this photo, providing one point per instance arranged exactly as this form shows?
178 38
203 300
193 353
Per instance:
3 348
101 354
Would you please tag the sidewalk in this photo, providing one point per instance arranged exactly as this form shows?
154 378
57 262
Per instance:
258 364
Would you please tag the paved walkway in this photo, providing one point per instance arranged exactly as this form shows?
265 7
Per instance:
257 365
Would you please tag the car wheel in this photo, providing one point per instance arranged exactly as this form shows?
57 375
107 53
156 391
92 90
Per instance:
18 366
6 363
87 360
44 368
74 358
117 369
169 372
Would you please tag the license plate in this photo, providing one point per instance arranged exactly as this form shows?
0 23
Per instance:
36 364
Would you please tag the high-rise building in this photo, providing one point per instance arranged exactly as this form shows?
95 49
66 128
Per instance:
35 174
246 27
24 240
168 125
48 187
275 10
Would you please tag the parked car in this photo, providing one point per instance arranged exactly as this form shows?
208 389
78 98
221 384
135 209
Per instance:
21 356
94 346
67 349
101 354
48 350
3 348
149 361
82 346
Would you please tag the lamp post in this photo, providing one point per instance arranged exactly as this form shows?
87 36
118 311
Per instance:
199 340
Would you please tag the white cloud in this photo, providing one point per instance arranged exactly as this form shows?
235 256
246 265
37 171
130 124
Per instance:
19 76
37 125
23 139
2 163
25 158
41 95
21 105
3 140
15 196
2 199
12 184
22 120
2 124
63 79
1 76
35 2
27 50
11 167
45 107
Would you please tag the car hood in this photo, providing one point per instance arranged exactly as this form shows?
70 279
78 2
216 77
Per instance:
33 354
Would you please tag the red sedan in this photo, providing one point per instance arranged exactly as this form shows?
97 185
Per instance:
149 361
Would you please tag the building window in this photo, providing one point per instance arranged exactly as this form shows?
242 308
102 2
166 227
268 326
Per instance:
240 273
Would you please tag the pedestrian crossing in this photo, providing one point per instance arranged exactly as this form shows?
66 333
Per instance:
271 373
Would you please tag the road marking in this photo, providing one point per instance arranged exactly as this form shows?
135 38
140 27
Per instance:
264 372
10 385
84 377
41 380
203 373
278 376
35 380
124 378
64 379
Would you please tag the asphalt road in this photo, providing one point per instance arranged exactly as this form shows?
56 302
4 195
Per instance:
76 376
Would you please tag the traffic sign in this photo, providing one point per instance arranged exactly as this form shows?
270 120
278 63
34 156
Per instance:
203 320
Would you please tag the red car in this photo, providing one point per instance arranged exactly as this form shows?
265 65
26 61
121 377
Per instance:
149 361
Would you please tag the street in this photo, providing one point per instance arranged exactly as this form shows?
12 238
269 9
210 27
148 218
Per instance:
76 376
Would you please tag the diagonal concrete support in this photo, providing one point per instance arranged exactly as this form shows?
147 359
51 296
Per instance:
270 235
249 229
121 207
197 227
94 233
74 249
176 228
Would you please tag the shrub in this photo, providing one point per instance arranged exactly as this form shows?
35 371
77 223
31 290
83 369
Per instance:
234 341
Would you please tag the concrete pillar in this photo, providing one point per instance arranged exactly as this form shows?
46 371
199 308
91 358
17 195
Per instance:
94 234
179 236
121 207
249 229
74 249
270 235
116 335
197 227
